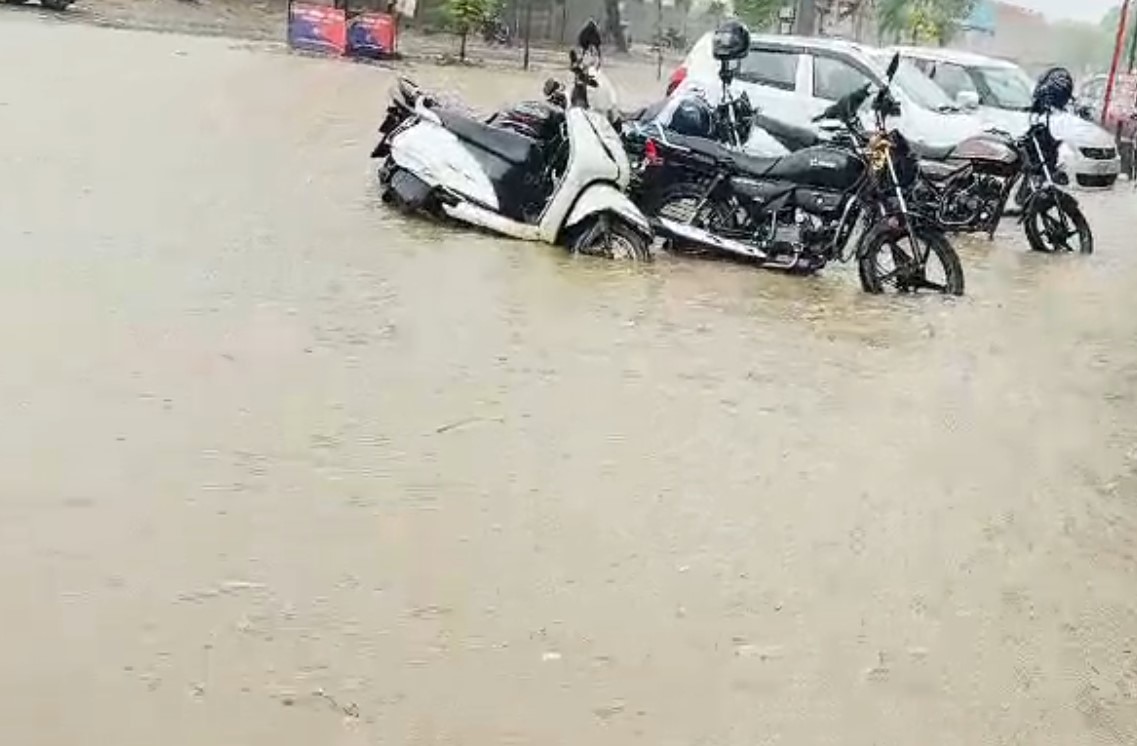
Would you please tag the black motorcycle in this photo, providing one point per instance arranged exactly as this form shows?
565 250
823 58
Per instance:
800 211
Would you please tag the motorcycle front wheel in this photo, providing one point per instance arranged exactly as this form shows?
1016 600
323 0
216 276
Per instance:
609 237
1053 222
887 265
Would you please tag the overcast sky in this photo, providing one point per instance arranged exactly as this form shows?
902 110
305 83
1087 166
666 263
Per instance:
1080 10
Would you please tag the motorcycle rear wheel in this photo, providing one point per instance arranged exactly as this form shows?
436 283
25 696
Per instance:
893 248
687 203
609 237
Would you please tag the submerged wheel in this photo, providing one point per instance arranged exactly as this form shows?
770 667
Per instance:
56 5
887 264
609 237
15 2
1054 222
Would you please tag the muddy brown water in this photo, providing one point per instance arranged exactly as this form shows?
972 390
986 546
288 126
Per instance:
280 467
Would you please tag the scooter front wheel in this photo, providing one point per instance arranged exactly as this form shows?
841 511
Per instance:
609 237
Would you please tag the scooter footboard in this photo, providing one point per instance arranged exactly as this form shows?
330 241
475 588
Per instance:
598 199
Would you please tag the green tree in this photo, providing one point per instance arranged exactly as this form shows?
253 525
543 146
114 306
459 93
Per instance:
1129 43
916 21
465 16
757 14
716 10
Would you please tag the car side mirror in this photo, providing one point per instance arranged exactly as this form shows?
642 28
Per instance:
967 100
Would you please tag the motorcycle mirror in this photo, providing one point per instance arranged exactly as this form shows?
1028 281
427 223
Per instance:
574 57
552 85
893 66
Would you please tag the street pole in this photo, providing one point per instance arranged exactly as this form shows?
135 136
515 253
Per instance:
528 27
658 39
806 18
1122 24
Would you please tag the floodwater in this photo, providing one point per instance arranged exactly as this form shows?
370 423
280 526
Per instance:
280 467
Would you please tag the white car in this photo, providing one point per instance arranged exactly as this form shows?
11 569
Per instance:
1000 93
794 79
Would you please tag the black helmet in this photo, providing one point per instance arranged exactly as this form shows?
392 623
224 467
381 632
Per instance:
1054 90
731 41
693 116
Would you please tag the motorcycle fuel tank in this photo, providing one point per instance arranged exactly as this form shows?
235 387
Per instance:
986 147
819 166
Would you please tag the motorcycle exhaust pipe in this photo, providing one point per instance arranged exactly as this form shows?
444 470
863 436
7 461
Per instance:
709 240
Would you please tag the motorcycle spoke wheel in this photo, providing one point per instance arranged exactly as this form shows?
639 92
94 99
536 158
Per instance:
692 210
1059 227
687 204
889 266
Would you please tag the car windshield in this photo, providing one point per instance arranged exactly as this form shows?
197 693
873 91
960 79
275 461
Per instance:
1005 87
917 86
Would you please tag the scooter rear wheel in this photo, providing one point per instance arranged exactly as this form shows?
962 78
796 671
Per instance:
610 237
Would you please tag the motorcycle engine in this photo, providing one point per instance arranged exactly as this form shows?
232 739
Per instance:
798 232
972 204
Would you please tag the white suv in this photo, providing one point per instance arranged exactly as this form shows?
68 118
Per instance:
1001 93
794 79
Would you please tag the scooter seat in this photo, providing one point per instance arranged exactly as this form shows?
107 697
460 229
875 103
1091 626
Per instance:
510 146
931 152
791 136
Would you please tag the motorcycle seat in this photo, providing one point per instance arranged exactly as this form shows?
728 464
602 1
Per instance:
931 152
790 135
510 146
939 171
754 165
748 164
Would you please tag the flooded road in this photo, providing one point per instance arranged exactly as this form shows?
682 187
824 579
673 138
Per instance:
280 467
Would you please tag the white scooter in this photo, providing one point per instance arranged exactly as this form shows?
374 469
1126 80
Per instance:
568 190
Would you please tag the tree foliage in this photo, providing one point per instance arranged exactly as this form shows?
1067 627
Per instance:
465 16
922 21
757 14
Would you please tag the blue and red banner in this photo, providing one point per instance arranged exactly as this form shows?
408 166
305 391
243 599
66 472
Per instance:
371 35
317 28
